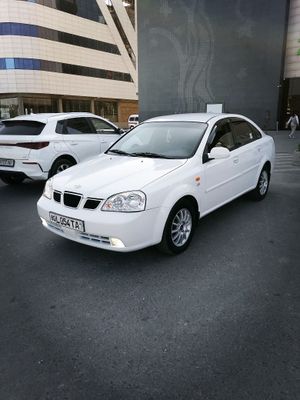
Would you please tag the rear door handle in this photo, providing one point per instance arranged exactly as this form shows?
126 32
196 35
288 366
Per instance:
235 160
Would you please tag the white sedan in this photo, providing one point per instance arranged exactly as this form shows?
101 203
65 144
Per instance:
38 146
155 182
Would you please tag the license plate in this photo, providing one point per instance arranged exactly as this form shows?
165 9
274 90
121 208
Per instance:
66 222
6 162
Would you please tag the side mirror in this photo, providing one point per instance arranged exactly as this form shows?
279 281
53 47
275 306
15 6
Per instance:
219 153
120 131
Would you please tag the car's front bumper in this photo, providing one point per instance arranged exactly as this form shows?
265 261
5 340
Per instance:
115 231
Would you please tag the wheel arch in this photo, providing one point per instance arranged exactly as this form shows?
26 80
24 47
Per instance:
267 165
61 157
191 199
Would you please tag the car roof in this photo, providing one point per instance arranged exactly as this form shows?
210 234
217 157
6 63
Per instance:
192 117
46 117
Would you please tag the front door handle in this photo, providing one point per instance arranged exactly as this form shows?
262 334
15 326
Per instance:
235 160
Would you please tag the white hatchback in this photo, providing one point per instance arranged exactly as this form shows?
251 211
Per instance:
38 146
157 180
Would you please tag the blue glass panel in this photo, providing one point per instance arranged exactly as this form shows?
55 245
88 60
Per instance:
28 64
10 63
2 63
6 28
36 64
33 30
15 29
19 63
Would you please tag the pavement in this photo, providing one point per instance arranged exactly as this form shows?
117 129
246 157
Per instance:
283 143
218 322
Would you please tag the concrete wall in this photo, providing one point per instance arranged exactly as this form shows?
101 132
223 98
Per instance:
200 51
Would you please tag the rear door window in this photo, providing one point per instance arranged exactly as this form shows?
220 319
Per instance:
78 126
24 128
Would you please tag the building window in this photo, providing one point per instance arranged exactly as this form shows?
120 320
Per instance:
39 105
130 8
19 29
87 9
9 108
122 33
76 105
9 63
107 109
43 65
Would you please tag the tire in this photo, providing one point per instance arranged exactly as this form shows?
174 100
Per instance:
12 179
60 165
179 228
262 187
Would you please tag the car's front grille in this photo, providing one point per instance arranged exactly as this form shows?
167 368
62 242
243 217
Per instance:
71 199
57 196
92 204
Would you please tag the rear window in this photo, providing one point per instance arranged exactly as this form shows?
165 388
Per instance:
21 128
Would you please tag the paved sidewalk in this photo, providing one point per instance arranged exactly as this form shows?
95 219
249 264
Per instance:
285 148
282 141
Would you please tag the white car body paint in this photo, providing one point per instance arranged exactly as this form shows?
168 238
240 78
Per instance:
164 182
36 163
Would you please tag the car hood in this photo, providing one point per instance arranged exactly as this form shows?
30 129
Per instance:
106 175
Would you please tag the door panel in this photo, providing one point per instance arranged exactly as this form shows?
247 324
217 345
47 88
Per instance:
221 181
221 176
81 138
248 147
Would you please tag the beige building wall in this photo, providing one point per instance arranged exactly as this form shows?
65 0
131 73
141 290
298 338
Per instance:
292 58
36 82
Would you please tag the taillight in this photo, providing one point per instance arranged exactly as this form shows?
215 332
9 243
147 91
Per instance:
33 145
28 145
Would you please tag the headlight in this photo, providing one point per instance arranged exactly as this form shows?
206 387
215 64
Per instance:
125 202
48 190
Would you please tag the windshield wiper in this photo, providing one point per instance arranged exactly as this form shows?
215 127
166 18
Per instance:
123 153
149 154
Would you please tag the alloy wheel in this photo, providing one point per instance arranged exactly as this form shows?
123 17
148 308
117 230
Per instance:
181 227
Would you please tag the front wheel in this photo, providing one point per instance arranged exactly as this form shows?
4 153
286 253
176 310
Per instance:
60 165
179 228
12 179
261 190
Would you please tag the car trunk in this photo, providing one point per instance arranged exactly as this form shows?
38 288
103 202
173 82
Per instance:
16 136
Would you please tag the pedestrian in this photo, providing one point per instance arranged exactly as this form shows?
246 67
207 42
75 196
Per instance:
293 122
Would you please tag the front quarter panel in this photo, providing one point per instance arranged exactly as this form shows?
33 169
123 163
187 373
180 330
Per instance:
184 181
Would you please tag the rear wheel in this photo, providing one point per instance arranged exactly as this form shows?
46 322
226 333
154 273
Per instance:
179 228
12 179
261 190
60 165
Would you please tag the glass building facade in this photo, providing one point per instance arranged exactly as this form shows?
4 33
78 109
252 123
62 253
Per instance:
88 9
55 58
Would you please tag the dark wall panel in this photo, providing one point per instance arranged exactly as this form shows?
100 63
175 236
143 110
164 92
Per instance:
201 51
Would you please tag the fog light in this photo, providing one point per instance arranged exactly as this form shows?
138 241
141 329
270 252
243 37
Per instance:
116 242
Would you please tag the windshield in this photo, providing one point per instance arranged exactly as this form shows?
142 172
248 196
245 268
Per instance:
161 140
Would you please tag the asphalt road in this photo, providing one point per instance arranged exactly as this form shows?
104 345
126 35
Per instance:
220 321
